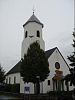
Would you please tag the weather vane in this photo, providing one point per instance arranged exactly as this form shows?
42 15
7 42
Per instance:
33 10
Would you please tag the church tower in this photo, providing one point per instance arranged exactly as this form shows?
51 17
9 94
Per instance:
32 33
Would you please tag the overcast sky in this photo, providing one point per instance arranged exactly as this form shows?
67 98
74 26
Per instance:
56 15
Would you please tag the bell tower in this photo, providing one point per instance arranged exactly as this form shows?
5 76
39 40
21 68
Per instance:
32 33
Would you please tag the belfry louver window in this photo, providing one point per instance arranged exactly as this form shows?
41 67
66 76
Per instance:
26 34
38 34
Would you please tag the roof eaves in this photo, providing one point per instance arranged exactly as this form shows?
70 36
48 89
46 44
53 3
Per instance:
33 21
63 58
15 69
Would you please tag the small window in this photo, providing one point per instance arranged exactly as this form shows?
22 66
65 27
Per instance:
38 34
9 80
14 80
48 82
25 34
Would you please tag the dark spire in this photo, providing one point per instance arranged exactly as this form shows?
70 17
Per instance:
33 18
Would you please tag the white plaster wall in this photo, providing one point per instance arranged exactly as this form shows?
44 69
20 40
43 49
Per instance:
41 87
17 75
55 57
26 43
20 81
22 85
32 28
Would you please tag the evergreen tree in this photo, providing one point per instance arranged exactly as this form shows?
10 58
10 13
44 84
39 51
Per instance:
2 75
71 77
34 65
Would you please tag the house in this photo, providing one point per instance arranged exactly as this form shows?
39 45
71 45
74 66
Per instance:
57 64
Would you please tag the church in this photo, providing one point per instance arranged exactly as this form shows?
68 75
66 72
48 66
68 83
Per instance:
57 64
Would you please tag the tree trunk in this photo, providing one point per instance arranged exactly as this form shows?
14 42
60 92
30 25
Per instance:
37 88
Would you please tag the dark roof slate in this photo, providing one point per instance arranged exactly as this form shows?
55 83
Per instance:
33 18
49 52
16 68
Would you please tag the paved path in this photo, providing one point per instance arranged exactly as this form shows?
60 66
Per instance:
4 97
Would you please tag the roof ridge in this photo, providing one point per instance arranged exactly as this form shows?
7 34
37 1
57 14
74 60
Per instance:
51 49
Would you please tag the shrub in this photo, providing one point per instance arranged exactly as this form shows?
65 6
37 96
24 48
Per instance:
14 88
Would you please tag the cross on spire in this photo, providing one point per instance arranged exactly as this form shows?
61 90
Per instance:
33 10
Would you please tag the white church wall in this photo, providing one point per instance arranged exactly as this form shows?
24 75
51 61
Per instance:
19 80
10 78
26 43
32 29
41 87
31 85
23 85
55 57
31 88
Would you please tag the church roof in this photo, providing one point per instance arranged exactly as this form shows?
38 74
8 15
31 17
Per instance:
16 68
33 18
49 52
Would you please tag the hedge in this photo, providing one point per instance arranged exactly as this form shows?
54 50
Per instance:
14 88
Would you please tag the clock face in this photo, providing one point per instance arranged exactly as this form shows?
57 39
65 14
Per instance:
57 65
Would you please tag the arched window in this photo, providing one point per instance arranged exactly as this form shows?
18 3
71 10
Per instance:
26 34
48 82
6 80
14 80
57 65
38 34
9 80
